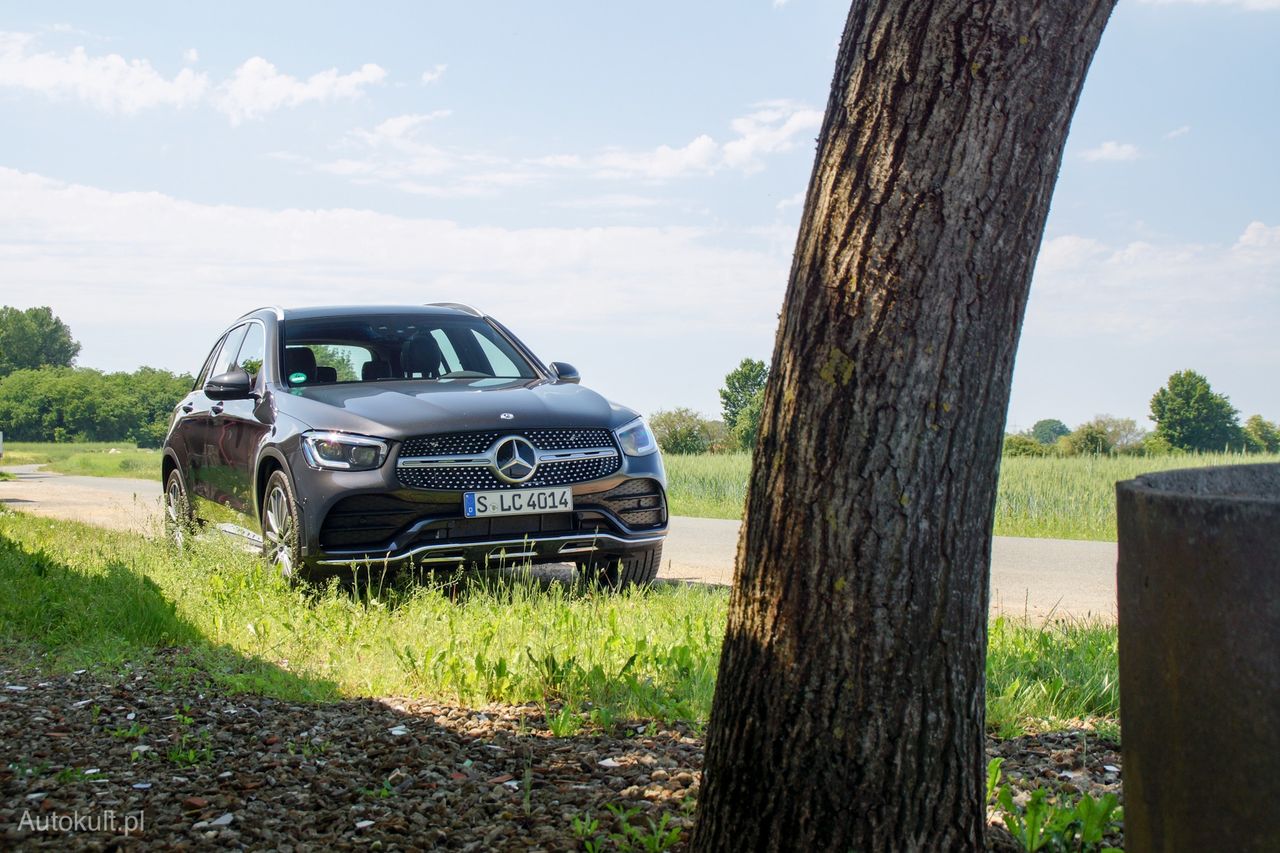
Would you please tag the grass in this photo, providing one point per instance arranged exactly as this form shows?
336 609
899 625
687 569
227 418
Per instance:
82 596
89 459
1051 497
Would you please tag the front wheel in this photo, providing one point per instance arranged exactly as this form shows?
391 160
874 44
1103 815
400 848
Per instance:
178 520
635 568
281 526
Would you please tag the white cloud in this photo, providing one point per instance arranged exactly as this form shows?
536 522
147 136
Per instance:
1178 131
773 127
110 83
257 87
1111 151
118 267
796 200
1107 323
433 74
397 154
114 84
1249 5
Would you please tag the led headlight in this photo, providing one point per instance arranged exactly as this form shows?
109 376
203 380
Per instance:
343 452
636 439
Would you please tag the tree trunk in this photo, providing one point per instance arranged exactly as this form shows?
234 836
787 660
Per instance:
849 710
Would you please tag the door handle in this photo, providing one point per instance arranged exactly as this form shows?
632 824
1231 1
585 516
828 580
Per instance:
188 408
217 409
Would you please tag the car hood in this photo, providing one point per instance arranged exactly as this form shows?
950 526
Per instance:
399 409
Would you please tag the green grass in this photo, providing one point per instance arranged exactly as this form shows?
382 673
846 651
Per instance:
89 459
1051 497
82 596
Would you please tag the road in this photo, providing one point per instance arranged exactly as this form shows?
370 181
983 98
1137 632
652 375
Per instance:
1036 578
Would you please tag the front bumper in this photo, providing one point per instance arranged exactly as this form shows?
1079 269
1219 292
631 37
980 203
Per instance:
371 517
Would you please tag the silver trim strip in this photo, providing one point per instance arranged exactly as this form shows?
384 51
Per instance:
489 459
578 543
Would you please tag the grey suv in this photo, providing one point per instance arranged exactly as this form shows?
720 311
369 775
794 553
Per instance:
426 434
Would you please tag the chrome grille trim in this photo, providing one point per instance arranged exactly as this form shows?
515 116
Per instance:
544 456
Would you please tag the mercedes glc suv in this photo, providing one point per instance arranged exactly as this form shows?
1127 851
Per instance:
340 437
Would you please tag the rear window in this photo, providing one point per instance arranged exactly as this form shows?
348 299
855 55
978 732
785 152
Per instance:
398 347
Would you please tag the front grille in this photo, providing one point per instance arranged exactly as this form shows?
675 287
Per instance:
478 477
639 503
467 443
481 477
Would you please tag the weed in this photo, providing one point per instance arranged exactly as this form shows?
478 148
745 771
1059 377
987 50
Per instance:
191 749
383 792
134 731
652 838
1059 825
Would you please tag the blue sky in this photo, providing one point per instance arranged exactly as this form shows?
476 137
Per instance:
620 187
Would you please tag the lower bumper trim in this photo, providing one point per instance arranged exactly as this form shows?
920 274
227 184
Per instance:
500 550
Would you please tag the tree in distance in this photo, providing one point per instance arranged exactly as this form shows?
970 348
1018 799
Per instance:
1190 416
681 431
740 397
1049 430
1262 435
849 706
34 338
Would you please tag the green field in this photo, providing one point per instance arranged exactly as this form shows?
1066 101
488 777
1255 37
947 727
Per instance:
80 596
90 459
1069 497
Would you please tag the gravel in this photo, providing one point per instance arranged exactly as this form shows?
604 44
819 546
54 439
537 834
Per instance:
100 762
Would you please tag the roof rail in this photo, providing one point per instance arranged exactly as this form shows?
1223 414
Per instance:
457 306
279 312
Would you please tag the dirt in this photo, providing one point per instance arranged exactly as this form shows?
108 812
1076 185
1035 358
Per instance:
143 758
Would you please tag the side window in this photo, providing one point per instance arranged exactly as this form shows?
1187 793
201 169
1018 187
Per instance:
447 353
500 365
253 350
206 371
226 360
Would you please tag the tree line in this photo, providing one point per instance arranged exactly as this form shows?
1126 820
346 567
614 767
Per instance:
1189 416
45 397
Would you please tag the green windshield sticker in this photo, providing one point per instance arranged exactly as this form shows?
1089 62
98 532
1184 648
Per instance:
298 377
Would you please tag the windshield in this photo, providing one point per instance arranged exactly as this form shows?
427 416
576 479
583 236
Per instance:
380 347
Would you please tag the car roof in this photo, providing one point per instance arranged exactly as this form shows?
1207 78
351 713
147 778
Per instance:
325 311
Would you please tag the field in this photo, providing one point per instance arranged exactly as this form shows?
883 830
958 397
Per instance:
82 596
1057 497
90 459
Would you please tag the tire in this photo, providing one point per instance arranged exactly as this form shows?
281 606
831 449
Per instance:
618 571
179 524
282 527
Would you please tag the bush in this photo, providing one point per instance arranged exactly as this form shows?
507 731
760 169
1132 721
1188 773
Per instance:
1017 444
1087 438
681 431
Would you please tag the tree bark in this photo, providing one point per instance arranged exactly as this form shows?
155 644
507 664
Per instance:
849 711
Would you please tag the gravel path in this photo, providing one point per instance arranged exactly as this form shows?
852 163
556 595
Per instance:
174 763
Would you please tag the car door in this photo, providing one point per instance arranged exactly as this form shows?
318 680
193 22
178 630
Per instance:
209 468
191 420
239 429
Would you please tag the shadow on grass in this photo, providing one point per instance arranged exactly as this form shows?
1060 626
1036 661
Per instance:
111 615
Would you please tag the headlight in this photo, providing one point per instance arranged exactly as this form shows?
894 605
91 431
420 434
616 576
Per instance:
340 451
637 439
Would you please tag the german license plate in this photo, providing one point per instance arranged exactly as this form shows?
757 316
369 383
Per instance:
516 502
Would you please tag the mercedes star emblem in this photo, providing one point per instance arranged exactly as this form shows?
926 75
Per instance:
507 416
514 459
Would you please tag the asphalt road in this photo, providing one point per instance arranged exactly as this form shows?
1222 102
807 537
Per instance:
1036 578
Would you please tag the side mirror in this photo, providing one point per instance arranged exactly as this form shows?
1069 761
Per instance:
233 385
565 372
